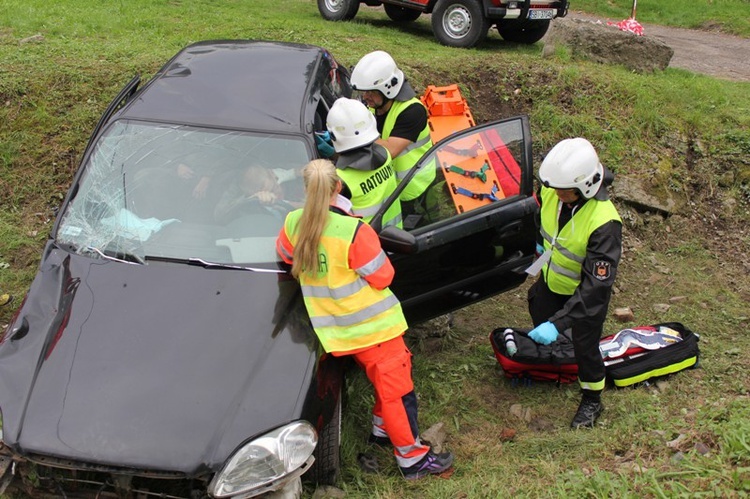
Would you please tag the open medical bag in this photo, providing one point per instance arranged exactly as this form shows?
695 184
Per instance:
523 360
673 348
631 356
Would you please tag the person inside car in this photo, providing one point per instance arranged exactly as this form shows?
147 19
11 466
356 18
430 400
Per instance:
345 274
400 116
363 165
581 243
256 186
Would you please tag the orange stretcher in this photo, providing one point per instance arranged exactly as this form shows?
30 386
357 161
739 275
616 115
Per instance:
478 169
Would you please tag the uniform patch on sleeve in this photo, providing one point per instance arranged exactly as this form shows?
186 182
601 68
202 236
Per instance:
602 270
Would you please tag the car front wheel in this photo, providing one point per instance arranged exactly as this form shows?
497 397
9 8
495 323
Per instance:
522 31
459 23
338 10
401 14
325 469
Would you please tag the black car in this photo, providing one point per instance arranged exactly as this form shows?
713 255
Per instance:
163 347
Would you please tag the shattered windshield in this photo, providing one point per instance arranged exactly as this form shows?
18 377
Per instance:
178 192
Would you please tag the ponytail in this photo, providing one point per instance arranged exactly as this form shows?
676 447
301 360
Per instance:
320 184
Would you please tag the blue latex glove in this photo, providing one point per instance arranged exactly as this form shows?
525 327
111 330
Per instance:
544 333
325 146
539 249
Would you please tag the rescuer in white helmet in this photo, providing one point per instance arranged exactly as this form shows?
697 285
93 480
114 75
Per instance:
363 165
400 116
580 246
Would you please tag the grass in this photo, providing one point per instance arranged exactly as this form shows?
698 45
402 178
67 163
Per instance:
728 16
681 134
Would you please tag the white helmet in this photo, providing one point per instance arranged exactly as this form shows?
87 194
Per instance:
377 71
573 164
351 125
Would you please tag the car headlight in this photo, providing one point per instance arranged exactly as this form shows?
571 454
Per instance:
263 461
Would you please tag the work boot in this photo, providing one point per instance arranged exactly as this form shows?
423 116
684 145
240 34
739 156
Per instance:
430 464
588 411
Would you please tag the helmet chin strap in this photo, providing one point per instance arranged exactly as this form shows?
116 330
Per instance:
383 103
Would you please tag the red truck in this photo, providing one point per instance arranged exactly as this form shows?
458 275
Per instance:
462 23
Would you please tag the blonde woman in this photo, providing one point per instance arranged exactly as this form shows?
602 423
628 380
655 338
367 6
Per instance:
344 274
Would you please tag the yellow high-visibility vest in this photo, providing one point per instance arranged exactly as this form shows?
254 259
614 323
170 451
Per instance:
370 188
346 312
563 271
406 160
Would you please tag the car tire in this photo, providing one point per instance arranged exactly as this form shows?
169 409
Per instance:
522 31
338 10
325 470
401 14
459 23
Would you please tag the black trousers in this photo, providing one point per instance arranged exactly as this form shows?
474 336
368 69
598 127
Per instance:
543 304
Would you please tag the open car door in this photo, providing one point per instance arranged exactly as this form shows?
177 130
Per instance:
471 233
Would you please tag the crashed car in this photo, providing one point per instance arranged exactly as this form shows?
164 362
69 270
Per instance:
163 348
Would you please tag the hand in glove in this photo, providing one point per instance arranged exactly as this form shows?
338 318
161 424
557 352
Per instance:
324 144
539 249
544 333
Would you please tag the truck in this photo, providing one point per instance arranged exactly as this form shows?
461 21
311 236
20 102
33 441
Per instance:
462 23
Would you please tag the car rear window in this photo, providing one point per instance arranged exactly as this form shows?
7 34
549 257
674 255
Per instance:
157 190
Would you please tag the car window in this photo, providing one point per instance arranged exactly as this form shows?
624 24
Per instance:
152 190
336 83
471 171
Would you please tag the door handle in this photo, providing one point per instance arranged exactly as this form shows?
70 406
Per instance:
511 229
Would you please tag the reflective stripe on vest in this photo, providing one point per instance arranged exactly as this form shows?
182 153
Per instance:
411 153
563 271
345 311
369 189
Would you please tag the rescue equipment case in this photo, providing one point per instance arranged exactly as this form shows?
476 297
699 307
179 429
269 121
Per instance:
556 362
638 364
532 361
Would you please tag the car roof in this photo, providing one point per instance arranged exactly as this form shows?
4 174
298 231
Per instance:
237 84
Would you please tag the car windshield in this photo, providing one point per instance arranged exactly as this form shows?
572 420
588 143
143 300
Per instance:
151 191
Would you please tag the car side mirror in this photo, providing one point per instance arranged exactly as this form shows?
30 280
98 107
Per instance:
398 240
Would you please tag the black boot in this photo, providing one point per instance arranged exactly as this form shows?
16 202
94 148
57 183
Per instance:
588 410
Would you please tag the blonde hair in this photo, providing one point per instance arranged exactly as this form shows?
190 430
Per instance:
320 180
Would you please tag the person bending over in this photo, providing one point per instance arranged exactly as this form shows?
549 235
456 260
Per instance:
344 274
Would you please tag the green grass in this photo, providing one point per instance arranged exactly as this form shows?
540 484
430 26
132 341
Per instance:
681 134
729 16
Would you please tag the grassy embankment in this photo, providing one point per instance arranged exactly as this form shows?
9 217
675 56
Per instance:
679 133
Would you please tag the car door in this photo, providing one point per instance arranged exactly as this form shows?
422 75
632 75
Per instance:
471 233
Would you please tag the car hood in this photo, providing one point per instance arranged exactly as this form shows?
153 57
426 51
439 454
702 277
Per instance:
159 367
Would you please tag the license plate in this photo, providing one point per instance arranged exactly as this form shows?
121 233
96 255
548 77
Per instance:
542 14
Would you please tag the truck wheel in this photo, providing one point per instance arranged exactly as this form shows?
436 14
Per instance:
401 14
522 31
459 23
338 10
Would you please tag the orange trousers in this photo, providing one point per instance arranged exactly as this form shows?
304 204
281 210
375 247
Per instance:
388 367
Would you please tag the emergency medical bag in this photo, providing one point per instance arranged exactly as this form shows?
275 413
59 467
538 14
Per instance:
641 360
631 356
523 360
